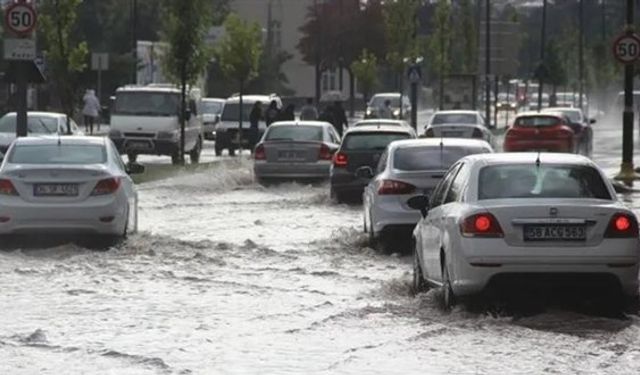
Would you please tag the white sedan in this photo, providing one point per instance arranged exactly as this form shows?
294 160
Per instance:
74 185
407 168
505 219
458 124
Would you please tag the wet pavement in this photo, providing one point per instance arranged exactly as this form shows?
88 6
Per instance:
227 276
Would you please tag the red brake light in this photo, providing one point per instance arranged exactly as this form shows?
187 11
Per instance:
325 153
392 187
7 188
481 225
340 160
622 226
106 186
259 153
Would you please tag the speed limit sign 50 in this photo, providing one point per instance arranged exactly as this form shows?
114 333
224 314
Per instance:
626 48
20 18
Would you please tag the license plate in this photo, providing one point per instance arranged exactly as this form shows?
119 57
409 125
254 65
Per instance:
55 190
139 145
292 155
555 233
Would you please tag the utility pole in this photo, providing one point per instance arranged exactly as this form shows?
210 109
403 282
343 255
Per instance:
134 40
542 47
581 56
318 56
487 64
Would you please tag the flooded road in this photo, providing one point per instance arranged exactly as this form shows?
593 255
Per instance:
230 277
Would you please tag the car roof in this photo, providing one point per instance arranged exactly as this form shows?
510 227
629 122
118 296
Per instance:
378 128
253 98
53 140
39 114
300 123
436 142
219 100
543 113
160 89
506 158
387 94
457 112
375 121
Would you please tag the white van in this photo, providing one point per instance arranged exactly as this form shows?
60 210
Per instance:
145 121
228 128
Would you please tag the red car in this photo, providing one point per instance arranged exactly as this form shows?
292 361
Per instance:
536 131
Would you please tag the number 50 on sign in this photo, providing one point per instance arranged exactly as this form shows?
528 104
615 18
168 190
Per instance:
20 18
626 48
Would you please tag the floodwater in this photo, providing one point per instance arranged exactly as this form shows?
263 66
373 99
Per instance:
229 277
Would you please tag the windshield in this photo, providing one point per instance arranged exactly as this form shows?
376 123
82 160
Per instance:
294 133
546 181
430 158
537 121
454 118
58 154
231 111
141 103
211 107
378 101
35 125
379 123
573 116
371 141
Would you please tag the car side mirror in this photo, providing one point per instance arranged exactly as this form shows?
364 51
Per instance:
364 172
216 119
135 168
420 203
592 121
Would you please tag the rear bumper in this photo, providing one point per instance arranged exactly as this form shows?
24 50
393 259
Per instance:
226 138
151 146
539 145
74 218
263 169
392 214
343 181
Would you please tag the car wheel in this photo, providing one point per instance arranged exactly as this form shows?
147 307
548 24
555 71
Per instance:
218 149
175 158
232 151
337 197
132 157
448 297
419 285
194 154
371 235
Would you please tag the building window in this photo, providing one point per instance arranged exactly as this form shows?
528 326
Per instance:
329 80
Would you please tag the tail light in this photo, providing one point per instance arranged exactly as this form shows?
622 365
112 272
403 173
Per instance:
477 133
325 153
7 188
392 187
622 226
106 186
429 133
259 153
481 225
340 160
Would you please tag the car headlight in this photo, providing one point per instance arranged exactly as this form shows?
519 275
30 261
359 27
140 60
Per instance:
113 133
396 113
173 135
369 111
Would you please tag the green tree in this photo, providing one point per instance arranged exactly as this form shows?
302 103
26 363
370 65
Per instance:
66 56
556 73
469 38
400 18
439 42
239 54
186 24
365 71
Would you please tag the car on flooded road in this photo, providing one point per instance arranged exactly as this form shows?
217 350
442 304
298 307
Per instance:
580 125
361 147
382 122
458 124
71 185
408 168
525 219
295 149
545 132
38 124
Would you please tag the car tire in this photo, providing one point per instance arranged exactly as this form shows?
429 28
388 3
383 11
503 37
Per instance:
132 157
371 235
218 149
194 154
419 284
175 158
336 196
448 297
232 151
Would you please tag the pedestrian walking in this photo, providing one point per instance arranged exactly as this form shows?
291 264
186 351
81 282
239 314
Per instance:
272 113
91 110
308 112
339 118
327 114
386 112
289 113
254 120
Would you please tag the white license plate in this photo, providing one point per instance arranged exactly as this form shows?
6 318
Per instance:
555 233
55 190
139 145
290 155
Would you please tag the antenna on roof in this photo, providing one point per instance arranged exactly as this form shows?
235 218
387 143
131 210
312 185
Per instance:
538 160
441 153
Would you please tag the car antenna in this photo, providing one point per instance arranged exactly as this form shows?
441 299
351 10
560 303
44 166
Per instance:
441 153
538 160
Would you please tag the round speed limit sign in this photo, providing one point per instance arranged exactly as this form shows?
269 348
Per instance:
626 48
20 18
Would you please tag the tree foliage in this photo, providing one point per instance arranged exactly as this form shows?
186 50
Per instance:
400 20
365 71
240 49
66 55
439 42
467 29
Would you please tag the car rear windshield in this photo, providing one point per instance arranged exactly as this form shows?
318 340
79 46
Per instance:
35 125
231 111
294 133
537 121
371 141
378 101
58 154
211 107
141 103
454 118
431 158
545 181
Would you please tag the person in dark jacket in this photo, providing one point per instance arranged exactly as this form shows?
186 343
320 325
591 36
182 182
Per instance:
339 117
254 120
272 113
288 114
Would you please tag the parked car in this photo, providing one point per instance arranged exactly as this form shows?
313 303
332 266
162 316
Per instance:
228 134
406 169
580 124
399 111
458 124
361 147
73 185
38 123
210 110
381 122
542 131
146 121
511 219
299 149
